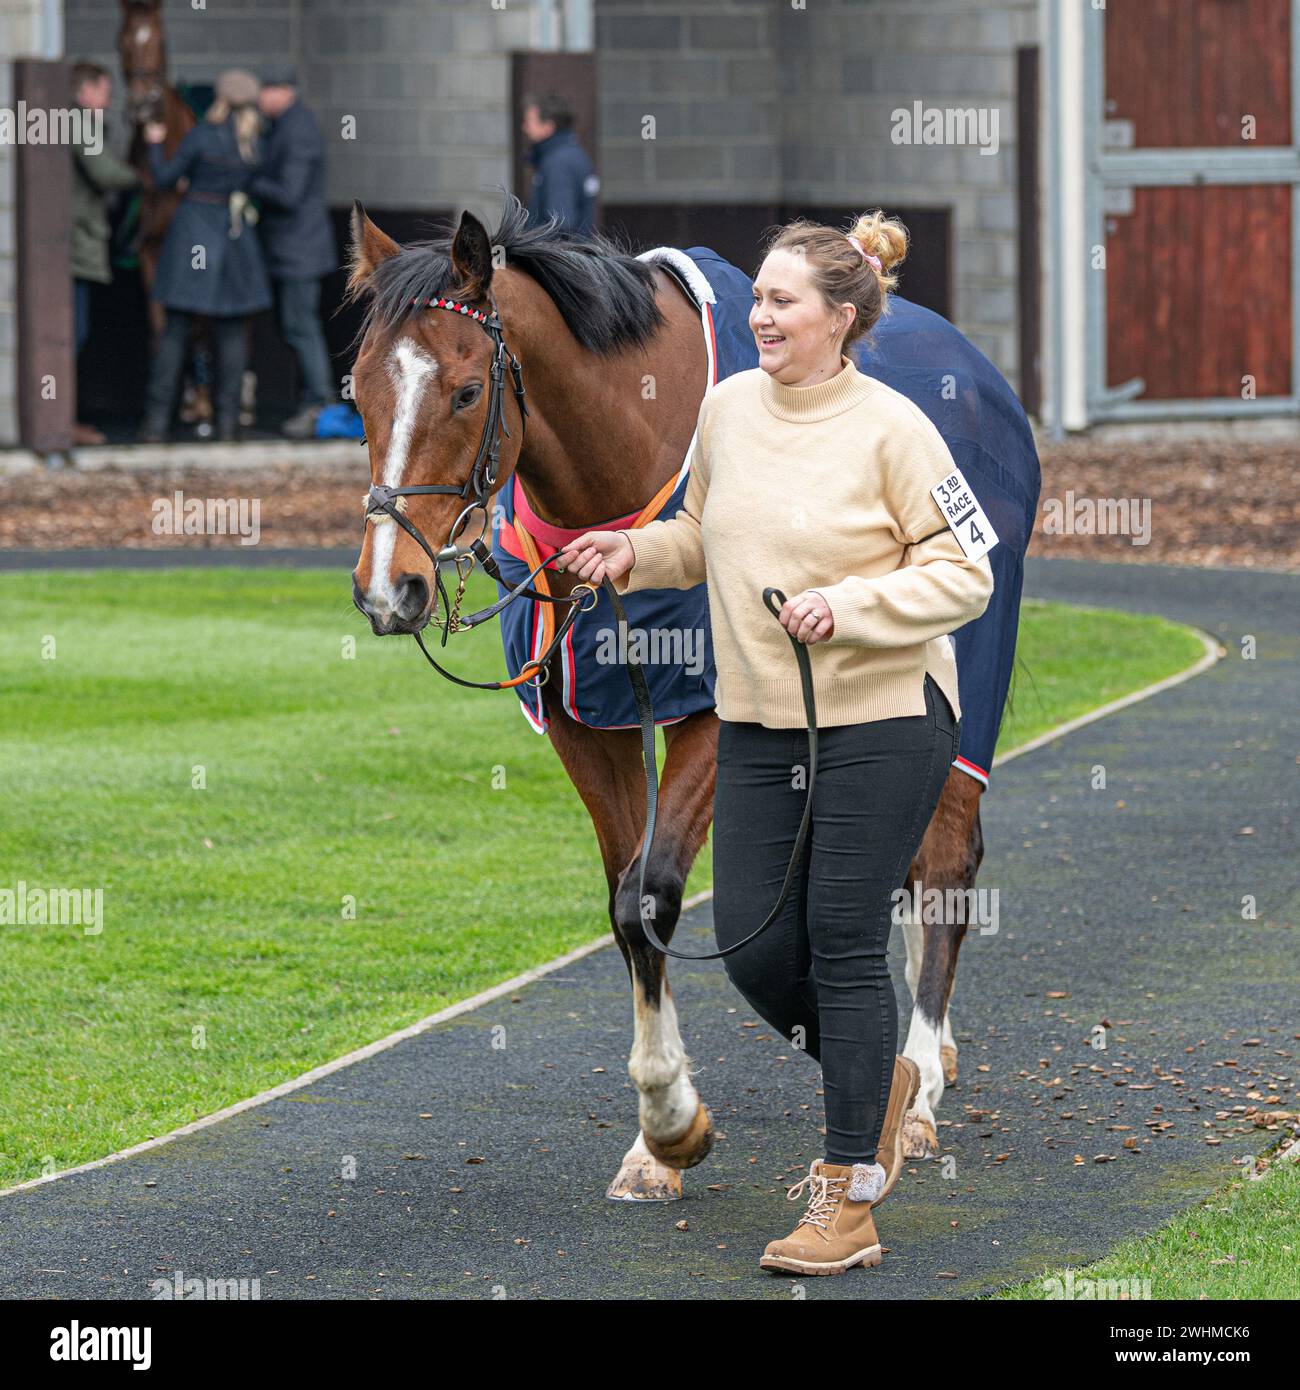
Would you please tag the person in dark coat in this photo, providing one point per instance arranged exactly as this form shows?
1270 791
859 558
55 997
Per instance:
95 174
297 236
564 183
211 262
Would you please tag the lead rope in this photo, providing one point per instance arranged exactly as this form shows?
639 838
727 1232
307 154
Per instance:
645 711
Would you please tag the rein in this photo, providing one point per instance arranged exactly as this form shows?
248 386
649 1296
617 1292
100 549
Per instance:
647 715
391 502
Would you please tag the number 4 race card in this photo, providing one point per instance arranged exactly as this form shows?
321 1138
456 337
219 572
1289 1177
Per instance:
964 515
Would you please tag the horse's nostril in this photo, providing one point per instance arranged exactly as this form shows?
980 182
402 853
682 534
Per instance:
412 597
361 598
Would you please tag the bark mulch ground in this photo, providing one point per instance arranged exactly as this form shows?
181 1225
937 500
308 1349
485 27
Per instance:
1206 503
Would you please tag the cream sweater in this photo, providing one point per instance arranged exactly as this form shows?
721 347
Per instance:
822 487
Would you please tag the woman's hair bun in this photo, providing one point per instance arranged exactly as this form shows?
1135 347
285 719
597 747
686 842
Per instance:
885 237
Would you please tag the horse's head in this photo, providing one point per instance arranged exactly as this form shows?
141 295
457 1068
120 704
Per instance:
143 53
423 382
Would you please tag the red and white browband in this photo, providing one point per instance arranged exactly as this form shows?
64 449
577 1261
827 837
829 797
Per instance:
440 303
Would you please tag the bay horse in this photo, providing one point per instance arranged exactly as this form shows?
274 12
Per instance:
150 97
142 50
590 324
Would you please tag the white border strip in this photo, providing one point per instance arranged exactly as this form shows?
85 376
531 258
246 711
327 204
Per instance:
1213 653
370 1050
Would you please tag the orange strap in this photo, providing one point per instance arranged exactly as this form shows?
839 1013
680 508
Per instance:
533 559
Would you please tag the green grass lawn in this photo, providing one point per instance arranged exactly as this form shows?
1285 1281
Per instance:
230 958
1242 1243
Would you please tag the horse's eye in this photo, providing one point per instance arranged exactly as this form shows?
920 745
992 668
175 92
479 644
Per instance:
466 397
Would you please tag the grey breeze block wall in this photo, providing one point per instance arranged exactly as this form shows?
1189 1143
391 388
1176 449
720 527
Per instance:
754 100
761 100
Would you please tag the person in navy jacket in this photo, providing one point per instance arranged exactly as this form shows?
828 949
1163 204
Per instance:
564 183
211 262
297 236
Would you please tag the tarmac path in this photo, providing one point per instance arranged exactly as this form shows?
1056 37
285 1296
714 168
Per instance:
480 1169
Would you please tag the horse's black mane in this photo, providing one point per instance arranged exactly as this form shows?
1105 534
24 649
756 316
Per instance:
604 294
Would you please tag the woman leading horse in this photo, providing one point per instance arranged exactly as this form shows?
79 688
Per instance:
813 477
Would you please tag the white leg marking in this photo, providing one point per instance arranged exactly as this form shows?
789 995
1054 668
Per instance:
639 1148
658 1066
923 1048
914 936
410 368
922 1038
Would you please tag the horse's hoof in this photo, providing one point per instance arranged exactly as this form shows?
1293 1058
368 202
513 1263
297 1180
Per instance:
919 1137
642 1178
948 1059
688 1149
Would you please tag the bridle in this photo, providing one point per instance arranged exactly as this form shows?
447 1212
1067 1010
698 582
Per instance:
150 106
390 502
483 476
479 487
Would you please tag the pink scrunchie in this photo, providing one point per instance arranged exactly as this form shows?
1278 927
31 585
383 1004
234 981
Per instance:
872 261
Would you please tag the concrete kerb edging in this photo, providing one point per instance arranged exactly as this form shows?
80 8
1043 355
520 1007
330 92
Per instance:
285 1088
195 454
1213 652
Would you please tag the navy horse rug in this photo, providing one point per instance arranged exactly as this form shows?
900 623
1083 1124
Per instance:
912 350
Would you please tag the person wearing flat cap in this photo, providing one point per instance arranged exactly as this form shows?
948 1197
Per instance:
298 237
211 262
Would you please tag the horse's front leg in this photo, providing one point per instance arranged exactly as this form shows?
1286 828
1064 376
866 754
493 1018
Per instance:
606 768
676 1129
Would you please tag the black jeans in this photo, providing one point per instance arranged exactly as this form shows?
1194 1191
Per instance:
169 362
819 973
299 310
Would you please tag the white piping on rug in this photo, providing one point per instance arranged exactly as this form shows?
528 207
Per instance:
689 271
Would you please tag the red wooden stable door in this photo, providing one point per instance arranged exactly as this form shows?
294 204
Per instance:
1200 240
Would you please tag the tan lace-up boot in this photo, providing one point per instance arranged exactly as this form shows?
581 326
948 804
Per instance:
835 1233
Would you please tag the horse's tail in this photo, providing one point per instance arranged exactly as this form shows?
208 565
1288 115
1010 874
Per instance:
1008 705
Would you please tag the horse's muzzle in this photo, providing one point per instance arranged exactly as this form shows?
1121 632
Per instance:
410 611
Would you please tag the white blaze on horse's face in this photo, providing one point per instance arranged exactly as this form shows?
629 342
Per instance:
410 368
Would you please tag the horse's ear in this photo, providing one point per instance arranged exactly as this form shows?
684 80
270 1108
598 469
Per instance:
471 255
369 247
